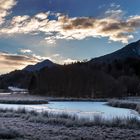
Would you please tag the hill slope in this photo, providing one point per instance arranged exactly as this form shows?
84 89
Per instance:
39 66
131 50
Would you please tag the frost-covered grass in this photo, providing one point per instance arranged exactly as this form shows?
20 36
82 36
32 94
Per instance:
138 108
6 133
127 103
29 102
122 104
22 99
70 120
34 99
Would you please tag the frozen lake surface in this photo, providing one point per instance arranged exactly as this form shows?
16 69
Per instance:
82 109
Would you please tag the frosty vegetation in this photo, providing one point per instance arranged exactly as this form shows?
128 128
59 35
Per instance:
130 104
22 124
70 120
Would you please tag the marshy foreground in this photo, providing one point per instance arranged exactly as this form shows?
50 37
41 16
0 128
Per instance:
25 124
30 125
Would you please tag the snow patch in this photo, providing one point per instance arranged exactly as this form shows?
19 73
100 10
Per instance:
17 90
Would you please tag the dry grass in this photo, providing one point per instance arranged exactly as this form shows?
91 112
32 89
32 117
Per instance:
6 133
70 120
138 108
123 104
29 102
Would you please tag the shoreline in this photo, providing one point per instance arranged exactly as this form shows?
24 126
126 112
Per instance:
35 99
24 102
77 99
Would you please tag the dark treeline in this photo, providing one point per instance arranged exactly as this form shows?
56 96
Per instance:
17 78
89 79
82 79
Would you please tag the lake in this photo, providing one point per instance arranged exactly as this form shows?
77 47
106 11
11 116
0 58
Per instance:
80 108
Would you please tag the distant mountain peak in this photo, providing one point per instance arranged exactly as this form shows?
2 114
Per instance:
40 65
131 50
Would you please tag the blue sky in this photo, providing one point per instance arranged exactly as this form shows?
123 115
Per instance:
64 31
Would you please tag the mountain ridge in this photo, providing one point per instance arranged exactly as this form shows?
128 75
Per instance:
131 50
39 66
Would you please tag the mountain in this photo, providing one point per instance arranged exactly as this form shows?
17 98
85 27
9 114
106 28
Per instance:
131 50
92 79
119 76
39 66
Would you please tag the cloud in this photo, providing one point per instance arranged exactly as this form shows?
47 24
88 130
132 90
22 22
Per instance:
42 16
15 58
25 51
19 19
5 6
40 58
69 60
56 55
9 62
114 6
114 14
114 25
50 40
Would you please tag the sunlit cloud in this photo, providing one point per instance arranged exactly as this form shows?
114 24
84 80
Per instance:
42 16
9 62
69 61
56 55
5 7
25 51
113 26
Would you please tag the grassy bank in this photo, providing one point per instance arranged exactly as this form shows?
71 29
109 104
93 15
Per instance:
41 101
70 120
34 99
29 102
77 99
135 105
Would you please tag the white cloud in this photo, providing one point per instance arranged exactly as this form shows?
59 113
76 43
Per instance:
114 14
56 55
42 16
50 40
25 51
5 6
19 19
40 58
114 26
69 61
114 5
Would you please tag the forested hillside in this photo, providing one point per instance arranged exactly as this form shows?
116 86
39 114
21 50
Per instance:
116 79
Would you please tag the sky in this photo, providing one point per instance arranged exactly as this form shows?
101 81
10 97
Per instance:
64 31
